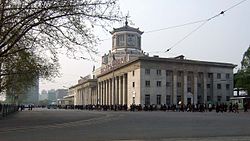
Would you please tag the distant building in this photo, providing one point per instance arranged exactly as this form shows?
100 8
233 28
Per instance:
60 93
129 76
52 96
32 94
43 95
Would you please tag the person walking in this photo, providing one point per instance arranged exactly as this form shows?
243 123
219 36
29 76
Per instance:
245 106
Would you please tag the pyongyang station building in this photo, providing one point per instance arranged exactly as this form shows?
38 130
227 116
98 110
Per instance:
130 76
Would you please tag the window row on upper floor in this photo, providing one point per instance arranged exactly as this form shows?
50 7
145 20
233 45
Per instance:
179 85
189 74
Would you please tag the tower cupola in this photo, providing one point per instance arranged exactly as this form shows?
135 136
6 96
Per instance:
126 38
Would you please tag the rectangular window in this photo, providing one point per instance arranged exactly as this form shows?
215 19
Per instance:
218 86
133 73
210 75
180 73
131 40
189 89
199 97
218 76
168 72
208 98
188 78
158 83
168 84
133 84
227 86
208 86
147 83
158 100
228 98
227 75
147 71
168 98
120 40
178 84
219 98
158 72
200 74
147 99
199 85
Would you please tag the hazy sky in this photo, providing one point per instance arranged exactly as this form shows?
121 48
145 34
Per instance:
222 39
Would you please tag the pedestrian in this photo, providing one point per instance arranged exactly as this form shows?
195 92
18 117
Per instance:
245 107
236 108
231 107
0 107
210 107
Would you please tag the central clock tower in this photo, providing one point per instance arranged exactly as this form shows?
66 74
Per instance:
126 45
126 38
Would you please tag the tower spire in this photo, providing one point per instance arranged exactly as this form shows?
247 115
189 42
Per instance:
126 19
126 22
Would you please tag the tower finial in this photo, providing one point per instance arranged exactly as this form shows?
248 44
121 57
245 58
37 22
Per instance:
126 22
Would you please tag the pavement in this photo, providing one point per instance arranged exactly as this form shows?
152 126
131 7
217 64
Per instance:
64 125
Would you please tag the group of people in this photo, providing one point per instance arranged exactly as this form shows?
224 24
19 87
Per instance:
6 109
22 107
219 107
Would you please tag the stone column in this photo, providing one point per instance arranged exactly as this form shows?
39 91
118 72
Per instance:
104 92
81 97
120 89
205 88
89 96
106 95
117 90
110 92
124 90
101 95
185 92
174 97
77 98
113 91
195 88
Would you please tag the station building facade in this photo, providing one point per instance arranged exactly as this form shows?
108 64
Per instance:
130 76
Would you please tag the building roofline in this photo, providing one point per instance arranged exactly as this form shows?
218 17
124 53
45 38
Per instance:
86 81
170 60
126 28
187 61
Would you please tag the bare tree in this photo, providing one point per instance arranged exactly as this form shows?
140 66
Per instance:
40 29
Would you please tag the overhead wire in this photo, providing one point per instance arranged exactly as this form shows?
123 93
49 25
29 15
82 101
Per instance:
205 21
176 26
190 33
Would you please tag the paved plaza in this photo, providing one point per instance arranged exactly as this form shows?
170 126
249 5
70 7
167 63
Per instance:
78 125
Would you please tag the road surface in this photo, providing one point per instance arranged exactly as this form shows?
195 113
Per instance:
77 125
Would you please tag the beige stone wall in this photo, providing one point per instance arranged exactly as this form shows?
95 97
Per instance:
180 81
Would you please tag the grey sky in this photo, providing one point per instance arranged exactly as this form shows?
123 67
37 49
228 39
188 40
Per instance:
222 39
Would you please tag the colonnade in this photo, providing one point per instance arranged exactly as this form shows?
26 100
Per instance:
193 84
86 96
113 91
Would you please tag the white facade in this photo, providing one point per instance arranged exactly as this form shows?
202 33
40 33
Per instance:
150 80
129 76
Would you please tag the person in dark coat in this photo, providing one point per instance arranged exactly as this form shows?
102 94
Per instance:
245 106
